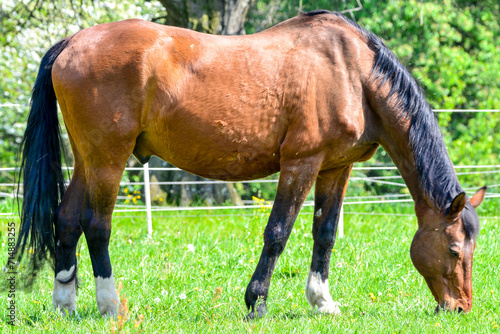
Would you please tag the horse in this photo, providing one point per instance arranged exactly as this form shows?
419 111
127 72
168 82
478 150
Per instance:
307 98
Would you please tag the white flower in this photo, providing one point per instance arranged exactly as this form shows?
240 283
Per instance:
190 248
157 300
182 296
163 292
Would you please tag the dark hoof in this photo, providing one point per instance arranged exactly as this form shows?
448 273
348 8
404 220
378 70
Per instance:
261 312
250 316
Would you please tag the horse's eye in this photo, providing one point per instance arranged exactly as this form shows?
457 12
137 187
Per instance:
453 251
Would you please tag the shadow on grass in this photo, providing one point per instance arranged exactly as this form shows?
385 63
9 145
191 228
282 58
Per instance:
294 315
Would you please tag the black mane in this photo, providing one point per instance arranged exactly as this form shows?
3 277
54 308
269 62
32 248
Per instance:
436 173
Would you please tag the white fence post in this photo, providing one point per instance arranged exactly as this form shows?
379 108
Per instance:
341 222
147 198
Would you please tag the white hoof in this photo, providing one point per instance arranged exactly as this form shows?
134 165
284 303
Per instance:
330 308
318 295
107 297
64 295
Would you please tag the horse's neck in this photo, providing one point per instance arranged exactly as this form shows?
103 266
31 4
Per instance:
438 182
396 143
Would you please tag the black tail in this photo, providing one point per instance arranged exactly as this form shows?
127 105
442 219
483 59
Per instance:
41 170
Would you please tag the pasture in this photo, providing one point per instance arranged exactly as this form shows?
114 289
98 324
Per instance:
191 277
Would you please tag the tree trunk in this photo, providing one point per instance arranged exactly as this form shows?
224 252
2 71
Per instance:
225 17
235 12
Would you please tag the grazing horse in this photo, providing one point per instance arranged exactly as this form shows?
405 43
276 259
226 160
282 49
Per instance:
308 98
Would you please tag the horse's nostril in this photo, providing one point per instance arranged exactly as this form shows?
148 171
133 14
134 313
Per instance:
460 309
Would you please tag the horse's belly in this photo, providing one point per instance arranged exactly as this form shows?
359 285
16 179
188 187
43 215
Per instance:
213 154
234 166
245 164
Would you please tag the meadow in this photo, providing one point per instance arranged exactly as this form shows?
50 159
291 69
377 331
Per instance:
191 276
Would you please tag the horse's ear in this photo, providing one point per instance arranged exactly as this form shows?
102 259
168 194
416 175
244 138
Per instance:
478 197
457 205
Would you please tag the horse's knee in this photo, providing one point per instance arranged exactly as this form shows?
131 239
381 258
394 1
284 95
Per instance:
97 231
68 240
67 231
275 241
325 236
326 241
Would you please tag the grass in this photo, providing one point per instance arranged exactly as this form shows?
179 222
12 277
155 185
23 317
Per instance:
371 276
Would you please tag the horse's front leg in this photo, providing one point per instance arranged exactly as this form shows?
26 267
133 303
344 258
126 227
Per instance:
296 179
329 194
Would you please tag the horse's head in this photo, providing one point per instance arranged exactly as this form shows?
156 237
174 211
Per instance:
442 251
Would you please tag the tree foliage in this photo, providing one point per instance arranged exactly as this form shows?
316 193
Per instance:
451 47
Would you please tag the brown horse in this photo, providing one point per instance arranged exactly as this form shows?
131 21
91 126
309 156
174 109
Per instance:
308 97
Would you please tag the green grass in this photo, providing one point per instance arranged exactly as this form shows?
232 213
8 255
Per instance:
371 276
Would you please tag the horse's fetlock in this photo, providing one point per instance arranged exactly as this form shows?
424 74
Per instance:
256 291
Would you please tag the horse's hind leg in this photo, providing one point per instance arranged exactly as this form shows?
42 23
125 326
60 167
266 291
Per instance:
329 194
296 179
103 181
67 233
